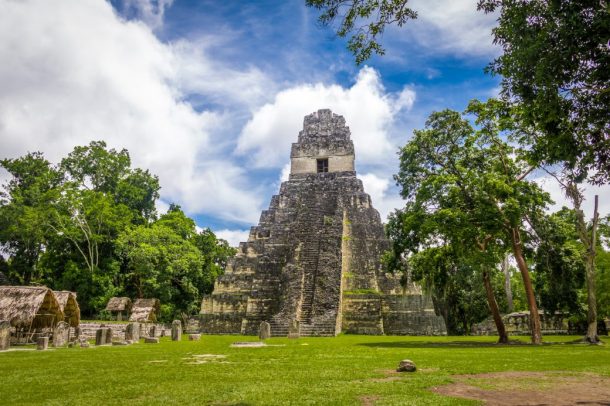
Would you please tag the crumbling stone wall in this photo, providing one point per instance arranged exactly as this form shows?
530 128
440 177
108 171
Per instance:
313 253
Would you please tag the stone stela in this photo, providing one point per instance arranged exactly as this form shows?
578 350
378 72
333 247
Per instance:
315 255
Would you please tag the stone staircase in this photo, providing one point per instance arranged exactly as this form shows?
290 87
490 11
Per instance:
309 261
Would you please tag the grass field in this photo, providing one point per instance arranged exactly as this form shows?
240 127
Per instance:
342 370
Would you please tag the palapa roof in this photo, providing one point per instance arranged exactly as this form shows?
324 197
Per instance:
29 306
69 306
145 310
118 304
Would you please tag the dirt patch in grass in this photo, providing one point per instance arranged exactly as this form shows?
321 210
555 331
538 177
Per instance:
368 400
531 388
198 359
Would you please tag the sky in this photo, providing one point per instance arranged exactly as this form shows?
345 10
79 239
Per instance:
209 95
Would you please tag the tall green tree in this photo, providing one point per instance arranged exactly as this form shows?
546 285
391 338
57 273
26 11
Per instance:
559 260
555 65
25 205
101 169
216 253
474 180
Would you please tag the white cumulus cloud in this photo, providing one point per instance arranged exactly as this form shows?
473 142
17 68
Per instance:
73 71
233 237
368 108
452 27
383 197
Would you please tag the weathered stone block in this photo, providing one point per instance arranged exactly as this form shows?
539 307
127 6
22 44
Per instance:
100 336
84 344
151 340
132 332
294 331
264 331
61 334
5 335
108 335
42 343
194 337
406 365
176 330
119 343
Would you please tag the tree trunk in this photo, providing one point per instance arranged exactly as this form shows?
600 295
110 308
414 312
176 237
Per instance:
527 283
507 286
495 311
591 336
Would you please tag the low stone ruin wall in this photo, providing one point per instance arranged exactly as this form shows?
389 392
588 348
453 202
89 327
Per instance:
518 323
87 330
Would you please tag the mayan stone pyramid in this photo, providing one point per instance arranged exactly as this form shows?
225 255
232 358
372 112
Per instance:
314 257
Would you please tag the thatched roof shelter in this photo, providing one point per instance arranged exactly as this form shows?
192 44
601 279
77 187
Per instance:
145 310
30 307
69 306
119 304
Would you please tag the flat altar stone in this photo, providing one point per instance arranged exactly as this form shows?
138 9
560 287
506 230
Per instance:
248 344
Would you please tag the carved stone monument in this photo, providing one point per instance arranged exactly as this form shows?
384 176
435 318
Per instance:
132 332
176 330
109 334
294 330
264 331
100 336
42 343
61 334
5 335
315 255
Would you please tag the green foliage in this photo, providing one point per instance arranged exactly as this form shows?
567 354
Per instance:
361 292
556 66
602 262
24 206
467 199
455 287
559 262
215 253
375 15
89 225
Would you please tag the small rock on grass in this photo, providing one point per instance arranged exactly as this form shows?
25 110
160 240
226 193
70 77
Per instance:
406 365
151 340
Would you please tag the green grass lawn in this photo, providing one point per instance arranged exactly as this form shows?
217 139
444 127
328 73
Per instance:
339 370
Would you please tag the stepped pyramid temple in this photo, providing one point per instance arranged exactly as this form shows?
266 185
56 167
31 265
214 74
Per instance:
315 255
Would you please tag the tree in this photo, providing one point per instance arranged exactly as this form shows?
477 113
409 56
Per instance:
24 205
556 65
602 260
216 253
474 183
429 251
163 265
375 14
559 261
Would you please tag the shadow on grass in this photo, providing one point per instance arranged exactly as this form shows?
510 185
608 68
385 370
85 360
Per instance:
446 344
